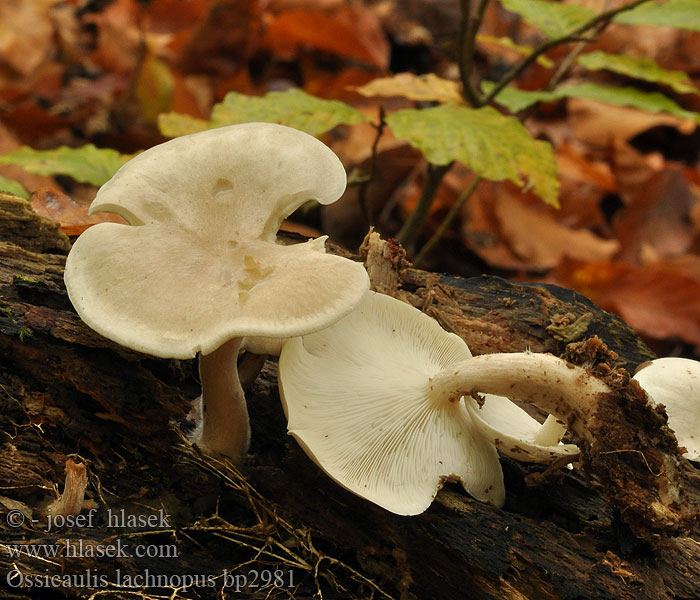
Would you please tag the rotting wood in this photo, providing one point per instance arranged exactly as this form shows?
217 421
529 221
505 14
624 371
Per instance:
65 393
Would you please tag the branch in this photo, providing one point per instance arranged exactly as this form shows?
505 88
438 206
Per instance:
446 222
362 192
468 30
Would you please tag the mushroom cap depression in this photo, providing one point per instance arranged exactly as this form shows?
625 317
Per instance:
198 263
675 383
359 400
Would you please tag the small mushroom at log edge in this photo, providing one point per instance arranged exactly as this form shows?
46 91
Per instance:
197 268
361 401
71 500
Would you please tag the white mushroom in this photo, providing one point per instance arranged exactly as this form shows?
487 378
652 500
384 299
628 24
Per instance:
517 434
675 383
369 399
197 268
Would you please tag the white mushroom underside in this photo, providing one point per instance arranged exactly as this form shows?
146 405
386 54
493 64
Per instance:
166 293
358 401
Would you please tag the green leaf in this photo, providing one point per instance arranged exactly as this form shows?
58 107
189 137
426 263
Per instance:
87 164
551 18
13 187
174 124
154 87
654 102
515 99
639 68
494 146
684 14
292 107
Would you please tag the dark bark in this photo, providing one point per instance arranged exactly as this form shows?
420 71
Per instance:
65 392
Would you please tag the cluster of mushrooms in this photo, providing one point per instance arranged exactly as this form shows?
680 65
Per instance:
376 392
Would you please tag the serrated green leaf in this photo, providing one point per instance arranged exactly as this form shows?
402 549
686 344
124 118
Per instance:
292 107
551 18
643 68
516 100
174 124
653 102
13 187
684 14
87 164
494 146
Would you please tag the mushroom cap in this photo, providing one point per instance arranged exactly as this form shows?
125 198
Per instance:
198 264
675 383
357 396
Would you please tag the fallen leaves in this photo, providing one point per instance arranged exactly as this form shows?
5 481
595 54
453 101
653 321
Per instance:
535 236
660 300
627 232
516 233
350 30
73 217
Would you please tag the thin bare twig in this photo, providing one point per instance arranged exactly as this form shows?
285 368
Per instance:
446 222
469 27
411 228
362 192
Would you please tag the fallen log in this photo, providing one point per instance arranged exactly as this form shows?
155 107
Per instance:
161 519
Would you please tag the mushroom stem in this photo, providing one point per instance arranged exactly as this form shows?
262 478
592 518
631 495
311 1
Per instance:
563 390
622 437
224 427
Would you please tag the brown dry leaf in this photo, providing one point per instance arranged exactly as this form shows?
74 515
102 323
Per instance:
688 264
119 36
657 222
351 31
537 238
334 84
510 231
192 95
223 40
480 229
73 217
172 16
632 169
584 182
574 165
598 123
278 5
26 34
72 40
427 88
660 301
